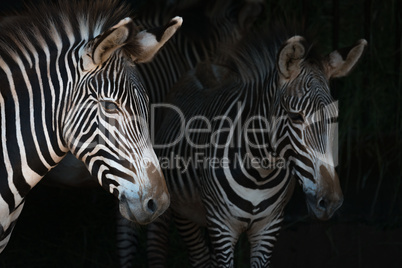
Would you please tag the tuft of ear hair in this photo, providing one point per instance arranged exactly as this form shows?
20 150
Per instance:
340 62
290 57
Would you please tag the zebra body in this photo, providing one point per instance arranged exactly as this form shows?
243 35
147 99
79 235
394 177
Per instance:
243 131
69 83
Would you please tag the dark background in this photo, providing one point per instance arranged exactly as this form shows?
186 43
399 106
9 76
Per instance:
75 227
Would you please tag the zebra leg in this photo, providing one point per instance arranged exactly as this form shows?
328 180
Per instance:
194 238
223 240
262 243
126 241
157 240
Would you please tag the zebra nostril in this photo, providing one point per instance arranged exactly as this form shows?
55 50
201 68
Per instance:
322 204
151 205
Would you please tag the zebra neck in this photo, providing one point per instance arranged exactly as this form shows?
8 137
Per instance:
262 125
35 97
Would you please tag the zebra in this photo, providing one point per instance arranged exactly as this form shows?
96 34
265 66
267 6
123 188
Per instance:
69 83
239 133
221 21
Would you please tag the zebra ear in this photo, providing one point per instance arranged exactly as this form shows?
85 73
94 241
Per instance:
290 57
340 62
99 49
148 42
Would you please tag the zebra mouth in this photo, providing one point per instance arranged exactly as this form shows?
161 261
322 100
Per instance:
322 208
318 208
126 213
132 212
319 215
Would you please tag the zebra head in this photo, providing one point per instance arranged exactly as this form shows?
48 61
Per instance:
310 117
106 125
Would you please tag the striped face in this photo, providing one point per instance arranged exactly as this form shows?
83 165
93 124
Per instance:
107 122
309 117
108 130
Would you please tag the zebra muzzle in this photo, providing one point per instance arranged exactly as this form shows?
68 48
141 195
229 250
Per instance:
323 207
149 203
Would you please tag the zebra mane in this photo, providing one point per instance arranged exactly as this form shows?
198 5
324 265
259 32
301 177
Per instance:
81 19
254 57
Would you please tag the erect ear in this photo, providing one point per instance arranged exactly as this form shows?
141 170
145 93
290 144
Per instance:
99 49
290 57
340 62
148 42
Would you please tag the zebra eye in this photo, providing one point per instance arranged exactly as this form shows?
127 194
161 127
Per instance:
110 106
296 117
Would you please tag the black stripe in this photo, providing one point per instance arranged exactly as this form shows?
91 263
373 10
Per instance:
5 191
5 233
